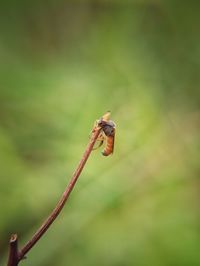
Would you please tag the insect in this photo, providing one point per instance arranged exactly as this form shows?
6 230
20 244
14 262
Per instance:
107 133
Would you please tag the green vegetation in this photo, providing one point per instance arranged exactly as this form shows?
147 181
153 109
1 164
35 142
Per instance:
62 66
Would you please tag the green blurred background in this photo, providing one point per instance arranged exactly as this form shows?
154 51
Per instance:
62 65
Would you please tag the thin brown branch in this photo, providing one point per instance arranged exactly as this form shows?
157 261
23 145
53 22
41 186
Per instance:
13 251
15 256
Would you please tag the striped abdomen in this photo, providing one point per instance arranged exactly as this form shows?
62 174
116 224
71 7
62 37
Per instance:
109 148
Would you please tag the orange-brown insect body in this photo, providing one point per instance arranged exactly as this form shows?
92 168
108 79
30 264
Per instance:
109 148
108 128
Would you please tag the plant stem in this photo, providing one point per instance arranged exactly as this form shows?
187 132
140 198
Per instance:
15 256
13 252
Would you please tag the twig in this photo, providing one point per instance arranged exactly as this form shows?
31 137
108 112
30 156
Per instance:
14 255
13 252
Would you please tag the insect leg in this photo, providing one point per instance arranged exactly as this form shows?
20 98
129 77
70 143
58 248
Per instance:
100 139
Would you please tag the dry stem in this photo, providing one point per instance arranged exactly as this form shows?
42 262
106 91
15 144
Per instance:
14 255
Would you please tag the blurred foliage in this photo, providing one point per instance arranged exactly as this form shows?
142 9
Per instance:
63 64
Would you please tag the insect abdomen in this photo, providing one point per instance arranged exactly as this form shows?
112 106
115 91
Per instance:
109 146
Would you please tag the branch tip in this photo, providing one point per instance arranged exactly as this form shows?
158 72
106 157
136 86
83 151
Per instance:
13 238
13 258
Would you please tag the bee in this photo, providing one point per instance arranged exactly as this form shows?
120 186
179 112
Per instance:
107 133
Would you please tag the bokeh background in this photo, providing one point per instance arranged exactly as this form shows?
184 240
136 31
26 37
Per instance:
62 65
